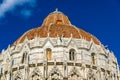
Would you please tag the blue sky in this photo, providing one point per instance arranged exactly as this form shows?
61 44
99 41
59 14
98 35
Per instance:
98 17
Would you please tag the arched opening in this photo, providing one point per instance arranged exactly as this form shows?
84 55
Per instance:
59 22
74 74
55 76
72 54
48 54
36 77
18 78
93 58
24 57
91 75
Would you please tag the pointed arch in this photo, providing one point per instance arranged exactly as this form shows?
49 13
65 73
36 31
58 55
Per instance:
93 58
74 73
55 74
72 54
24 57
18 76
91 74
48 54
36 75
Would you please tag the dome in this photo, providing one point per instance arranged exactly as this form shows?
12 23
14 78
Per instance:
57 50
54 25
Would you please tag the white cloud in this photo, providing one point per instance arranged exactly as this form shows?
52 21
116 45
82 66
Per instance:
8 5
26 13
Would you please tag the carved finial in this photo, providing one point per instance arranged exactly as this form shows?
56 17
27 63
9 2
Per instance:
8 46
57 35
18 67
48 34
36 35
26 39
91 40
71 35
56 10
2 50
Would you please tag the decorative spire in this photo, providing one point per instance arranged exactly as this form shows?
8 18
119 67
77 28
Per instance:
71 35
48 34
56 10
3 51
26 39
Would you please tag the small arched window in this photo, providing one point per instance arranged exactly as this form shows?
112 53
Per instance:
72 54
59 22
93 58
24 57
48 54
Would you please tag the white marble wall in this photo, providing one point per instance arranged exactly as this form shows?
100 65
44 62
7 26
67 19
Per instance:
11 65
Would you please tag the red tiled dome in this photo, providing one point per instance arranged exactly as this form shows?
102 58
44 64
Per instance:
56 24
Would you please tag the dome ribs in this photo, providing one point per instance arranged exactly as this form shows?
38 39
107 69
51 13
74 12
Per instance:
62 28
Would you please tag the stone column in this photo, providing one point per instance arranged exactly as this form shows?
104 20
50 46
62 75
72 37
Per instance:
45 69
26 71
10 76
99 73
84 69
115 76
65 70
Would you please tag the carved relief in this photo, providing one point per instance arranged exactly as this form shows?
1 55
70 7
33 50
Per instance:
18 76
36 75
55 74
